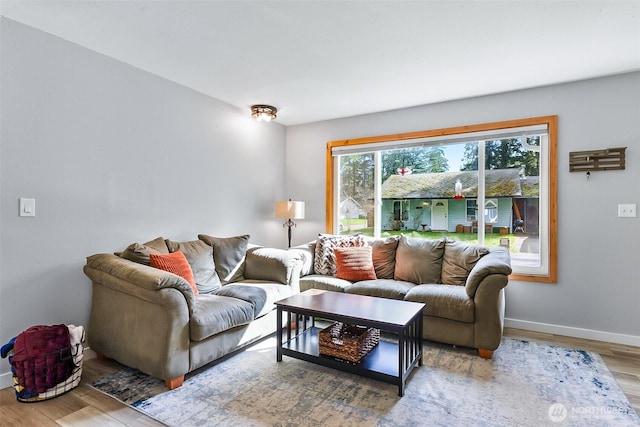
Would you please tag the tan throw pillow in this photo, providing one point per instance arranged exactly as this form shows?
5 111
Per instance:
354 263
139 253
384 256
200 258
228 255
325 260
419 260
459 259
175 263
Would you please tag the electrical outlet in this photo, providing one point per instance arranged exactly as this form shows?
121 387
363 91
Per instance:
627 210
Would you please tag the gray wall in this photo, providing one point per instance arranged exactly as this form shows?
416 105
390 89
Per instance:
114 155
598 290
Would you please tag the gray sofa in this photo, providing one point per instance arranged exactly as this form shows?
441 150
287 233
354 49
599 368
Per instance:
460 284
152 320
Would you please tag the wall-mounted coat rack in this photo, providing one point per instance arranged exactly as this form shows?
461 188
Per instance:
597 160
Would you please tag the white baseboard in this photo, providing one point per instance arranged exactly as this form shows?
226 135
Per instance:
6 380
569 331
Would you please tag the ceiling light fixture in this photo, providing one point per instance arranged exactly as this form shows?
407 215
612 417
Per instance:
264 113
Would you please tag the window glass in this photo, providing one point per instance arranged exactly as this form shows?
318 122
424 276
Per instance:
434 189
355 202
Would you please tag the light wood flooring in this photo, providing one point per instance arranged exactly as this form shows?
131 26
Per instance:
85 406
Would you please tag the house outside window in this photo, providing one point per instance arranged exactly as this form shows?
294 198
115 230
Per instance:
407 184
401 210
491 211
472 210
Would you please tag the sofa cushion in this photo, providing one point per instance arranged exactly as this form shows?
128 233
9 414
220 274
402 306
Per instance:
270 264
325 260
323 282
255 296
271 291
459 258
200 257
419 260
383 288
213 314
139 253
228 255
446 301
384 256
354 263
175 263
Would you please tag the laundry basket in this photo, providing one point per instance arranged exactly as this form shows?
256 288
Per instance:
44 373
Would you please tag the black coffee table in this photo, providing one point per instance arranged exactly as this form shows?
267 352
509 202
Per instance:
389 361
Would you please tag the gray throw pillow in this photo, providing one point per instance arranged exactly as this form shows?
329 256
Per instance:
459 258
419 260
228 254
200 258
139 253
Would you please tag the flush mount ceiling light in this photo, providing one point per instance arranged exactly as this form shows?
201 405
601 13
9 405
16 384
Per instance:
264 113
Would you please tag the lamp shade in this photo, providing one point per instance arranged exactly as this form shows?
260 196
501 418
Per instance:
289 210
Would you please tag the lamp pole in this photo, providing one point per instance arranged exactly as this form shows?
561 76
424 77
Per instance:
289 224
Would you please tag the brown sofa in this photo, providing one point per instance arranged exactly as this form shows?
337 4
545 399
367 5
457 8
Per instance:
460 284
152 320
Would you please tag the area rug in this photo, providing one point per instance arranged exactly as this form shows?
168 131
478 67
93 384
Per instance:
525 384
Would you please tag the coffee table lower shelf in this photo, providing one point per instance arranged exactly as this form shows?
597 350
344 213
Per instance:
381 363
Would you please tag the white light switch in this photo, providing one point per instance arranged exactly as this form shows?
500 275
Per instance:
27 207
627 210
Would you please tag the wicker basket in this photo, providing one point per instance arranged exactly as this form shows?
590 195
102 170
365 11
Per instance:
348 342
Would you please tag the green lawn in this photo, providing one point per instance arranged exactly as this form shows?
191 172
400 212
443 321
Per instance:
353 221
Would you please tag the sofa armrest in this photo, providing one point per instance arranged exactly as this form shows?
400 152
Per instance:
307 253
139 316
497 261
276 265
113 271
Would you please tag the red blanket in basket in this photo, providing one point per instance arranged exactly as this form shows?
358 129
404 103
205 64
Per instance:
42 357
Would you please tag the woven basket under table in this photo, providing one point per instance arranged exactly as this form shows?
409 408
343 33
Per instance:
348 342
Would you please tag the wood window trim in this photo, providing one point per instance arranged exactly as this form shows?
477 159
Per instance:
552 126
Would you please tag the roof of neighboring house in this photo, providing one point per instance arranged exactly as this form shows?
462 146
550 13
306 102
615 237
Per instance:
530 186
350 203
499 183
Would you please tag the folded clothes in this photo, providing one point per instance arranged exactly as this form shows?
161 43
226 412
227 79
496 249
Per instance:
42 357
76 338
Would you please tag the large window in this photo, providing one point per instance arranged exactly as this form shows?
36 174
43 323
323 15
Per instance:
491 184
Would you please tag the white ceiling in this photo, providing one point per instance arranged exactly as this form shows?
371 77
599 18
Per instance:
318 60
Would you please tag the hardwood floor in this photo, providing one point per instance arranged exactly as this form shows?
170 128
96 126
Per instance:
85 406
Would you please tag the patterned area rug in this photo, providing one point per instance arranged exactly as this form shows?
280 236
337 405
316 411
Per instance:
525 384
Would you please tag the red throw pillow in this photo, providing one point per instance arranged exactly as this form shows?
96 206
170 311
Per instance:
175 263
354 263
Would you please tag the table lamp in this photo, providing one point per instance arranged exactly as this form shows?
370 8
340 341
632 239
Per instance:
289 210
